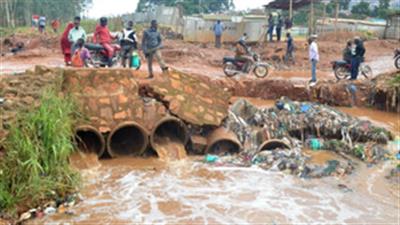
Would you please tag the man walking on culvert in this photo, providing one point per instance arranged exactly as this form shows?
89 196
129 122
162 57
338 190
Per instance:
218 29
151 45
357 58
314 57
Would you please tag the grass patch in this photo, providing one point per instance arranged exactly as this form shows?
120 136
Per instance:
35 167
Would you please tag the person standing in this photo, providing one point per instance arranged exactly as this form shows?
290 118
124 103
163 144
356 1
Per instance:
151 45
348 52
279 26
66 44
314 57
55 24
42 24
128 43
103 36
270 31
289 48
218 30
76 33
357 58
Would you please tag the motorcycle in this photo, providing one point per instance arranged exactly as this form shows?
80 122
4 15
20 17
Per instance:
342 69
99 55
397 58
233 66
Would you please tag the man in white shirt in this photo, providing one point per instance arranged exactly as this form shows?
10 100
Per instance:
314 57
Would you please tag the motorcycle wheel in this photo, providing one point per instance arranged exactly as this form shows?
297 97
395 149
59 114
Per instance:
230 69
366 71
397 62
261 71
341 73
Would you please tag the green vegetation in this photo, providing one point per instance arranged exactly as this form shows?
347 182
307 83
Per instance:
395 82
19 12
35 167
190 6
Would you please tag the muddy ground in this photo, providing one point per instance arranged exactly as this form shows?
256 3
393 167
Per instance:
206 60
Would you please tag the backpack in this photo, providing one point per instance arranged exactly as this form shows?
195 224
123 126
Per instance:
76 59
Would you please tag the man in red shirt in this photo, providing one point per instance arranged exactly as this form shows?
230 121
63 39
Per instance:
103 36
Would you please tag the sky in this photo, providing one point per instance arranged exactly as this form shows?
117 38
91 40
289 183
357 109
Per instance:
117 7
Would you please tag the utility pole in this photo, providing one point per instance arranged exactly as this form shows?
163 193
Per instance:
311 22
291 9
336 18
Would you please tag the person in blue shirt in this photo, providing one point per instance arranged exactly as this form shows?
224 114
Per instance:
289 48
218 30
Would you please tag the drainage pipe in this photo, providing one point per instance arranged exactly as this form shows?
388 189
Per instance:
273 144
127 139
168 128
89 140
222 141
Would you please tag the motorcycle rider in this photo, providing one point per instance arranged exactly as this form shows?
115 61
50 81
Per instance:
103 36
357 58
128 43
348 52
242 54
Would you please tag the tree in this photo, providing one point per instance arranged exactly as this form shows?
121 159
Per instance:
383 8
361 10
19 12
344 4
189 6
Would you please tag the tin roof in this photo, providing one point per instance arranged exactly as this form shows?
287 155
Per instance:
285 4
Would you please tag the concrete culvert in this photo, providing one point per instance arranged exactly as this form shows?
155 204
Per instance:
273 144
169 137
127 139
89 140
223 141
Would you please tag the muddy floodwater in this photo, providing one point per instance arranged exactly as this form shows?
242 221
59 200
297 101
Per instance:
188 191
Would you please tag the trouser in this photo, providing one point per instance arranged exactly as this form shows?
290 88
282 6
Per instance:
278 33
109 49
314 70
247 62
160 61
289 56
355 64
270 32
126 54
218 41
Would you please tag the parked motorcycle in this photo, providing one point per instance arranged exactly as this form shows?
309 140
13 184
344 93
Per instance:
397 58
99 55
233 66
342 69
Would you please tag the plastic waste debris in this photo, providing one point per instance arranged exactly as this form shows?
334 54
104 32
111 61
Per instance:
315 144
50 210
211 158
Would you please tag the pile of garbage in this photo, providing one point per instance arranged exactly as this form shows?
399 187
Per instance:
303 125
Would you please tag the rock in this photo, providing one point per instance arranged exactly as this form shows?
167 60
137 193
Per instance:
25 216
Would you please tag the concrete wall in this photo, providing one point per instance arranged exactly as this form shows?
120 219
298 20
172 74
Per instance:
350 26
393 32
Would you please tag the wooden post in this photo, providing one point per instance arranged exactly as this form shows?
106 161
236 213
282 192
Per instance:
324 18
336 18
291 9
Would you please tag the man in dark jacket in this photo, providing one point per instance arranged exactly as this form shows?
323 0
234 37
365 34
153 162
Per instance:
279 26
357 58
151 45
270 31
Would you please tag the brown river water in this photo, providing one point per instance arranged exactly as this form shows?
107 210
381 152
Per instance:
188 191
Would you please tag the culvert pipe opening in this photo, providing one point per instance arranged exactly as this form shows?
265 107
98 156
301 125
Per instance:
169 138
89 140
222 142
273 144
127 139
